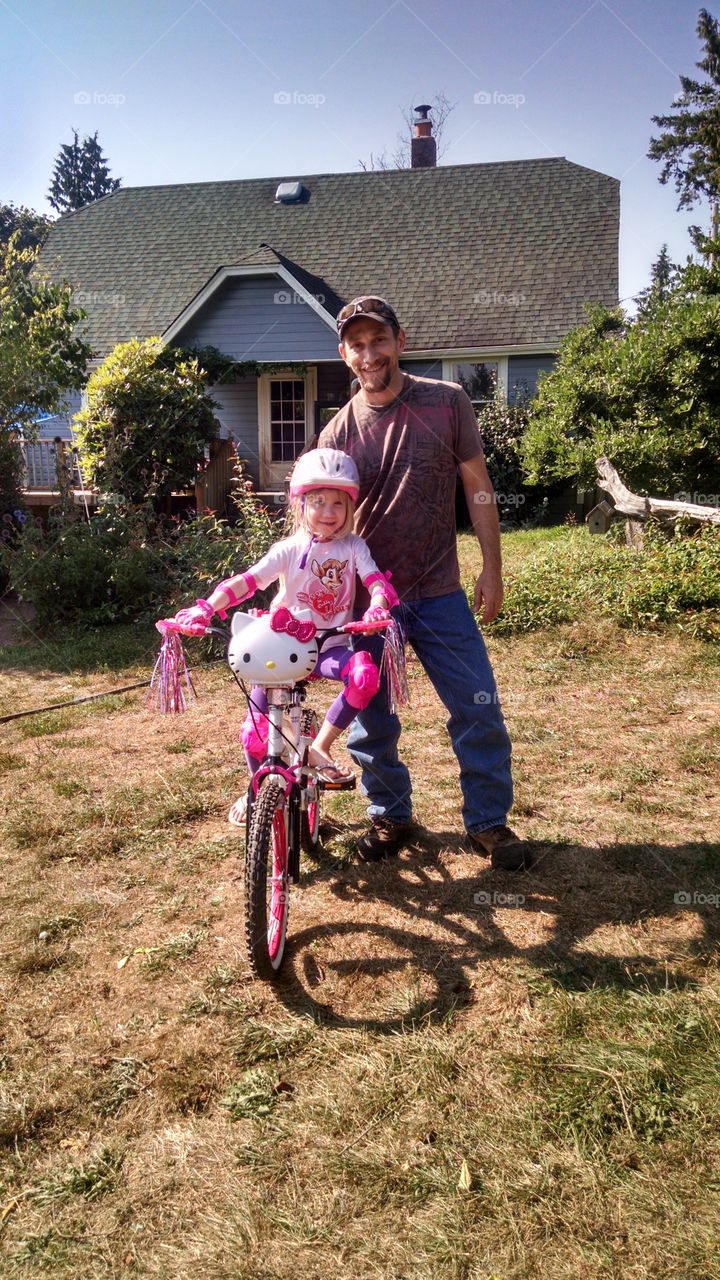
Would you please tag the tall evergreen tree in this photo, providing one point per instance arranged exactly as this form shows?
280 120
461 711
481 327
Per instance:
689 146
662 276
81 175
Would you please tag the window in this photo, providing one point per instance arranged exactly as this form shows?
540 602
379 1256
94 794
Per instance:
287 418
286 422
479 380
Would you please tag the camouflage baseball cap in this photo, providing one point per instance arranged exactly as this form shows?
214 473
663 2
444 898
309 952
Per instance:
368 307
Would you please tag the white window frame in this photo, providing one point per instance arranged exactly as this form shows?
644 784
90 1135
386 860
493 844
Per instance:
450 369
272 474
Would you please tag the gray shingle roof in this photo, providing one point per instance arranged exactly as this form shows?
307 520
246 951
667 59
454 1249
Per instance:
471 256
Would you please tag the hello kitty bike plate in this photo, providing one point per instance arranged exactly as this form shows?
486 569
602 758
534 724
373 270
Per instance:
274 649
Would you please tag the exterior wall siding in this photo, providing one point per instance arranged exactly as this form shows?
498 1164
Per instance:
237 413
260 318
423 368
523 375
59 424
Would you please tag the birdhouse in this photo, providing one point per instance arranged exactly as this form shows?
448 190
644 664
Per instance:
600 518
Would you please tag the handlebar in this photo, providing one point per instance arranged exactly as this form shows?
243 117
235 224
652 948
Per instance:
170 626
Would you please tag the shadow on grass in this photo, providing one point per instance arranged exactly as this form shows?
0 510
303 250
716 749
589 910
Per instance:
579 889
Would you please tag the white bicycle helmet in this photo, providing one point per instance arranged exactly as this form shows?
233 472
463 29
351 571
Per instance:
325 469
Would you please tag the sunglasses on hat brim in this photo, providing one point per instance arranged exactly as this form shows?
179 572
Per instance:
373 308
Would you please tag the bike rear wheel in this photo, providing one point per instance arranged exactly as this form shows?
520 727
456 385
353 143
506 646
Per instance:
310 816
267 883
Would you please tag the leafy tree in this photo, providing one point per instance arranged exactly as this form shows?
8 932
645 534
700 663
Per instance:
31 227
41 355
662 275
646 393
146 422
689 146
81 175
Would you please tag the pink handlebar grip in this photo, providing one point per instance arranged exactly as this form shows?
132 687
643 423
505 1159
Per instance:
171 625
366 628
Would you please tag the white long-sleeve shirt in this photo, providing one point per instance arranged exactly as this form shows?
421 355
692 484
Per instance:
317 577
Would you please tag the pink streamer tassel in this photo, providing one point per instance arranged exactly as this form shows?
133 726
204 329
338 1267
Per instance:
393 667
171 689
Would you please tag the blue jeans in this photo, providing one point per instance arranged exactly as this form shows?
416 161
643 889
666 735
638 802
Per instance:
445 637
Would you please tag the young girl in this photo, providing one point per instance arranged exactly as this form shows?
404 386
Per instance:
316 569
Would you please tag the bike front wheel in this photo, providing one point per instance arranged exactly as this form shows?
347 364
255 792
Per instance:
267 882
310 816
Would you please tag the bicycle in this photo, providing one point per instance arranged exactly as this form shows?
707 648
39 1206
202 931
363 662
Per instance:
284 794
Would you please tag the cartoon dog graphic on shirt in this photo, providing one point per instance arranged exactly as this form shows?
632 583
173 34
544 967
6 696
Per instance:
323 594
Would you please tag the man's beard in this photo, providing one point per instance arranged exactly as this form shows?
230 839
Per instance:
378 379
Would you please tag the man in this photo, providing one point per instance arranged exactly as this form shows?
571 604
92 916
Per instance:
408 437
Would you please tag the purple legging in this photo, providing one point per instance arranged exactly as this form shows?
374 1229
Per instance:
337 663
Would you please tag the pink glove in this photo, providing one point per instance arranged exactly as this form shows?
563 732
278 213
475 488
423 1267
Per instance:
195 620
376 613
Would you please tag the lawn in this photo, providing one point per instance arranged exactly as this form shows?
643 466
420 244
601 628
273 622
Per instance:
462 1075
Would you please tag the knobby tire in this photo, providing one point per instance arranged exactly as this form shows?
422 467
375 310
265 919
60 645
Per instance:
310 817
266 896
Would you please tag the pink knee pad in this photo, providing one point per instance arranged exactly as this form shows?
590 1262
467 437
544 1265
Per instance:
254 735
363 679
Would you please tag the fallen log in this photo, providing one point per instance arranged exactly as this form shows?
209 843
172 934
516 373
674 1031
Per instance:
639 508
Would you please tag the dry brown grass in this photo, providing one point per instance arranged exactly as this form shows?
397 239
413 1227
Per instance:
440 1086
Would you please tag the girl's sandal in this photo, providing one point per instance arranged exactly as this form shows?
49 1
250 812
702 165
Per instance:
332 778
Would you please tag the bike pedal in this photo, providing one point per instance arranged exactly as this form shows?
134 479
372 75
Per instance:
350 784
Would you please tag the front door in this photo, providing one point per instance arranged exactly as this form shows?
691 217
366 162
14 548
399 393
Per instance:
286 411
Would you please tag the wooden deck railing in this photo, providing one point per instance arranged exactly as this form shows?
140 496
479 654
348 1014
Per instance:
46 464
212 488
51 466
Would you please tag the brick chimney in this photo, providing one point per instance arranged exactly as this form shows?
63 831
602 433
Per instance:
423 151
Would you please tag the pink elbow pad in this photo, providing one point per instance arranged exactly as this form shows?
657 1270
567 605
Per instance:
389 591
233 598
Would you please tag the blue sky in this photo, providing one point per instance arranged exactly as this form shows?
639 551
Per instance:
187 90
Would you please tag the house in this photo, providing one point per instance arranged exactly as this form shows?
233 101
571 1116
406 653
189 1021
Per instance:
487 265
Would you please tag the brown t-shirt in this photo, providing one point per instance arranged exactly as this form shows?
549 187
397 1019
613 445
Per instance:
407 454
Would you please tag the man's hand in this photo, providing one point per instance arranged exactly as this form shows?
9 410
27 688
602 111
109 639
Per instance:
488 595
482 508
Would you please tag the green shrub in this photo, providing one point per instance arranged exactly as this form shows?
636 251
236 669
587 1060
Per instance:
99 571
644 392
674 578
146 423
12 523
10 473
124 565
502 427
207 549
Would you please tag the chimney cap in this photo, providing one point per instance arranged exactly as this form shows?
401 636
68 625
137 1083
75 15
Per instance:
423 110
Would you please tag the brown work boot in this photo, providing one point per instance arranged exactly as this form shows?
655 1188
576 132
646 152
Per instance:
507 852
382 839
